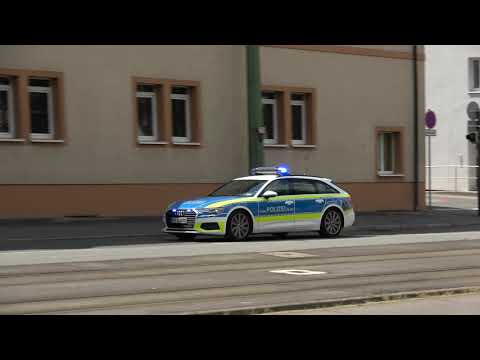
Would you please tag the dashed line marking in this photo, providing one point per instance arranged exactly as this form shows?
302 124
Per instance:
288 254
297 272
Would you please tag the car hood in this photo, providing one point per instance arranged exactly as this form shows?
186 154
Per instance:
202 202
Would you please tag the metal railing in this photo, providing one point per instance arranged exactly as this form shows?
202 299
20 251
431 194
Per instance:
456 173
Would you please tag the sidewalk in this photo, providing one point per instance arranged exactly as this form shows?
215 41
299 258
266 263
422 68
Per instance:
104 228
467 304
400 221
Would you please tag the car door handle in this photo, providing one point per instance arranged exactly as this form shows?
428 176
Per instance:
288 202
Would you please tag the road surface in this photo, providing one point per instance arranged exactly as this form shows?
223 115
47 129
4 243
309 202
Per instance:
214 282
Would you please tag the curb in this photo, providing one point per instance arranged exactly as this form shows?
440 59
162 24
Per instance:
409 227
340 302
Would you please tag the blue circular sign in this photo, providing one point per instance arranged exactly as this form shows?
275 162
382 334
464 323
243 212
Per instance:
430 119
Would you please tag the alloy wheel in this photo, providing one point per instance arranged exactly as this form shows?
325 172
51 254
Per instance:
332 223
240 226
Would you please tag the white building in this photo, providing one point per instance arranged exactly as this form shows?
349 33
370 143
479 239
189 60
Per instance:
452 81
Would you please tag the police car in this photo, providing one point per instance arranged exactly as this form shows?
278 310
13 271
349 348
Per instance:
270 201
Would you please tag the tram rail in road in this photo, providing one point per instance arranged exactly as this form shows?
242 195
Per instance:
222 282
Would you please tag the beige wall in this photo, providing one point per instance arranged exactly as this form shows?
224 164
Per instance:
99 116
354 94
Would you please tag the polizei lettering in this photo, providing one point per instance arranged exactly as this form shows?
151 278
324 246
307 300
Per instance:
274 209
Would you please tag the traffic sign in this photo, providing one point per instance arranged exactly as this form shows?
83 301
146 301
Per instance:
430 132
473 111
473 123
430 119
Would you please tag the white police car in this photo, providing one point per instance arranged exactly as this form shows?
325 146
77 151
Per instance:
269 201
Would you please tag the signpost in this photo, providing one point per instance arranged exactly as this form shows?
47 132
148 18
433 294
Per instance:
430 122
473 112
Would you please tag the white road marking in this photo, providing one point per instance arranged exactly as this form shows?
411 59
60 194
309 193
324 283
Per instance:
298 272
288 254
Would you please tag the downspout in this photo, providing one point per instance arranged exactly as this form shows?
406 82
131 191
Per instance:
415 128
255 118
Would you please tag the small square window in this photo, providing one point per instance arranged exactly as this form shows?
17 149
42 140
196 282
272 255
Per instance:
270 117
147 116
39 82
41 109
7 116
180 90
145 88
389 152
181 117
299 119
474 74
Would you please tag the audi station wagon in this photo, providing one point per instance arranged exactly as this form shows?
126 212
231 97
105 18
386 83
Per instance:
270 201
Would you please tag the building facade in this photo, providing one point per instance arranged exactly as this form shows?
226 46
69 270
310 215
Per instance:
125 130
452 81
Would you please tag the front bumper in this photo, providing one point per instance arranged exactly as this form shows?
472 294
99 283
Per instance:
196 225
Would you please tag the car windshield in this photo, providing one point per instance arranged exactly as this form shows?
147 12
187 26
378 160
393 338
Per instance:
239 188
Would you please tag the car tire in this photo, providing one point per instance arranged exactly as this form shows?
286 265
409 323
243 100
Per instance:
185 237
332 223
239 226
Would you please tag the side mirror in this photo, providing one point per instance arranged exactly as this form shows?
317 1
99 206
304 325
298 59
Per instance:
269 194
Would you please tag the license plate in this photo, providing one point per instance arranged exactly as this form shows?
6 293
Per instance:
179 220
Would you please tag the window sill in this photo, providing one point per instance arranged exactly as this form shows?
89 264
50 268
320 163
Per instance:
186 144
390 175
275 145
306 146
47 141
474 92
12 140
152 143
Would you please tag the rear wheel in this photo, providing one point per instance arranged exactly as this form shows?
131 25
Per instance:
239 226
332 223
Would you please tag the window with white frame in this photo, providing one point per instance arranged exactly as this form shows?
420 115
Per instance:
7 116
147 113
41 109
474 74
299 119
181 104
387 153
270 118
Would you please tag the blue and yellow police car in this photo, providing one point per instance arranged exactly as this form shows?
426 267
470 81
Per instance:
270 201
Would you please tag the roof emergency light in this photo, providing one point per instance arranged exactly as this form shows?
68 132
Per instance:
281 170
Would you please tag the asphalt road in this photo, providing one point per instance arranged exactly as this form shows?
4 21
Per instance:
192 284
128 266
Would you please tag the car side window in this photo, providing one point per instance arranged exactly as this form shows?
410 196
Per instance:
281 187
323 188
303 187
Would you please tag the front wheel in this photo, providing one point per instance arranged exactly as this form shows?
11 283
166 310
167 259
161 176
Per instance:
332 223
239 226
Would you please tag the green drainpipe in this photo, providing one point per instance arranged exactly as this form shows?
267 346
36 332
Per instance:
255 116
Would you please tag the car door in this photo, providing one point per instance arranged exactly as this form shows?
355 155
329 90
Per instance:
276 214
309 204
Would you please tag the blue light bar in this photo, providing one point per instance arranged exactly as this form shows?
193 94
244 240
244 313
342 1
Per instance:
281 170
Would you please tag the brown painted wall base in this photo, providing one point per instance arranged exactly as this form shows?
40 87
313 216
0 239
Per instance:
38 201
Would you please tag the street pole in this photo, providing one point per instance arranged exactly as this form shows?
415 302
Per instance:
478 167
430 172
255 118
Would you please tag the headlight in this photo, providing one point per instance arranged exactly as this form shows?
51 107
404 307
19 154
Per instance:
212 211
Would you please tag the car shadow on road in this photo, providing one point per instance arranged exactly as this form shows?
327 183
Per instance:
43 243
